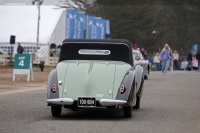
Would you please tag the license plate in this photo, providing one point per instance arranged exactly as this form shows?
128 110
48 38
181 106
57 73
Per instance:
86 102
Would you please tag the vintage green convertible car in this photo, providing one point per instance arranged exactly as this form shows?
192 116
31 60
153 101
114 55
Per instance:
95 73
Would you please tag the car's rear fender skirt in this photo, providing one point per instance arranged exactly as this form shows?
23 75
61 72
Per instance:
129 85
140 91
52 79
138 76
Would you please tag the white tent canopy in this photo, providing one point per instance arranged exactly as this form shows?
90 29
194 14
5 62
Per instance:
21 21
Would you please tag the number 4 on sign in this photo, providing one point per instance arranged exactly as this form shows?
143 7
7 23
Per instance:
23 66
21 63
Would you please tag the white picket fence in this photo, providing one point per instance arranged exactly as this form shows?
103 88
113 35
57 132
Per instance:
49 61
4 60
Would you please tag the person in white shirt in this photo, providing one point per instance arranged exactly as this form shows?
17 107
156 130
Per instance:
156 61
175 60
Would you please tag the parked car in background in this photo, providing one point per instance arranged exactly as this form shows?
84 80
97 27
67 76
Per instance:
184 63
195 63
91 73
144 63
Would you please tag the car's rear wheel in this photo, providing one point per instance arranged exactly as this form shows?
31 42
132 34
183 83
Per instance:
56 111
127 110
148 69
137 105
147 75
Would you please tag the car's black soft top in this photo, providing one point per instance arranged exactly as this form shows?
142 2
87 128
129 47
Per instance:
121 49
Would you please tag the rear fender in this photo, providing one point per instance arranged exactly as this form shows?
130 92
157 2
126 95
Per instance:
130 91
140 91
52 79
138 76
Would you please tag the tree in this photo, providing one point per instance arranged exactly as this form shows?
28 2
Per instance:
79 4
175 22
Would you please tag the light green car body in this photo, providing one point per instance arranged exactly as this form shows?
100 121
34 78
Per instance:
87 78
95 73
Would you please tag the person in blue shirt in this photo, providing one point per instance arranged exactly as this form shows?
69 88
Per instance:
166 56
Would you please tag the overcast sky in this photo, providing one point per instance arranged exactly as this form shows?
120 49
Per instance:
28 2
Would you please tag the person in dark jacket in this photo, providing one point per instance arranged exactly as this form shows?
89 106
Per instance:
198 58
20 49
144 53
189 59
41 65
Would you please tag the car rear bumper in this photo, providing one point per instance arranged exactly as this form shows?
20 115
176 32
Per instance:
102 102
111 102
61 101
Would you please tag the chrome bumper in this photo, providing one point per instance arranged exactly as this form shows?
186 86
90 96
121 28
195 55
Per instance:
111 102
61 101
102 102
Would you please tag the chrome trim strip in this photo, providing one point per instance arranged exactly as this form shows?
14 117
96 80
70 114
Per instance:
94 52
100 43
111 102
61 101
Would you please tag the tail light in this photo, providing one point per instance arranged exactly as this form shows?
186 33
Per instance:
122 89
53 89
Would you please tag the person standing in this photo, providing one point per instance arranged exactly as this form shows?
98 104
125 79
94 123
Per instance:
175 60
198 58
189 59
20 49
166 56
144 53
41 65
54 53
156 61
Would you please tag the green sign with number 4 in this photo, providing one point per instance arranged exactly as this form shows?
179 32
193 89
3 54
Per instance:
22 61
23 66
